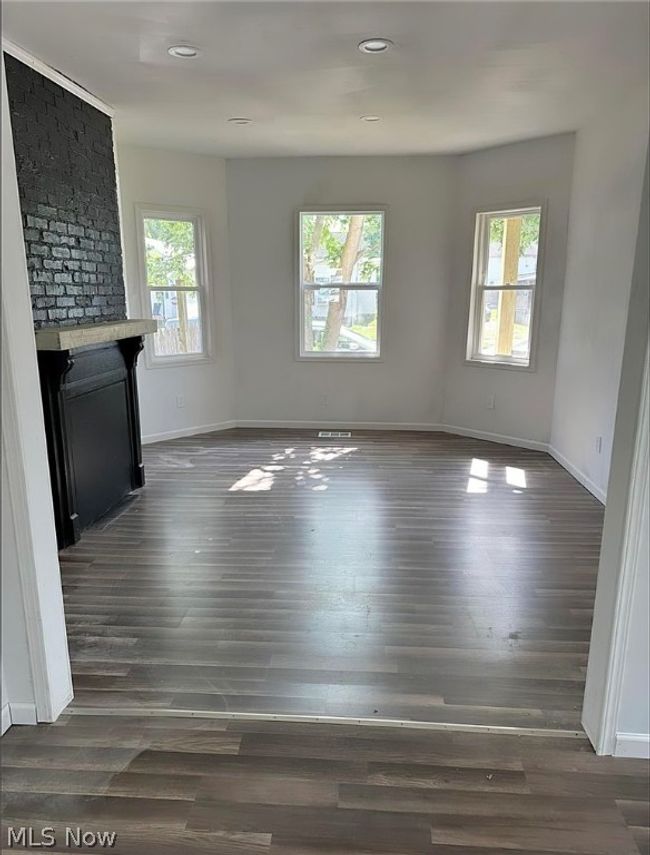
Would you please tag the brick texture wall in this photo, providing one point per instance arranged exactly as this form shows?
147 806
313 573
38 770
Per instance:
68 198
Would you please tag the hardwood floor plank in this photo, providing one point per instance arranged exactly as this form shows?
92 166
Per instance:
368 576
112 811
320 789
581 839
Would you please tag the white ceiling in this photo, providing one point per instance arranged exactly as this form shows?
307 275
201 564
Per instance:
460 77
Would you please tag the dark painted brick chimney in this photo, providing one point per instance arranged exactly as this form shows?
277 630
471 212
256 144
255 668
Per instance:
68 198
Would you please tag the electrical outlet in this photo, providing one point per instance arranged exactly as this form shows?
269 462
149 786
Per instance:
599 445
491 402
180 401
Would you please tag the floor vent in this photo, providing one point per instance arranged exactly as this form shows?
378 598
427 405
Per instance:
334 434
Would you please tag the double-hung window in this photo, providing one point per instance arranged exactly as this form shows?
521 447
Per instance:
504 286
174 274
341 260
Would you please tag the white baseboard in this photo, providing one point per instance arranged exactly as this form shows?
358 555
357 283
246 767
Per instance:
324 424
502 439
18 713
189 431
592 729
632 745
579 475
22 713
59 705
414 426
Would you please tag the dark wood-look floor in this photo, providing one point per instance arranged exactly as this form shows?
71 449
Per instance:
188 786
397 575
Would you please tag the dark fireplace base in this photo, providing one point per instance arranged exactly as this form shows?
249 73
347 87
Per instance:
92 424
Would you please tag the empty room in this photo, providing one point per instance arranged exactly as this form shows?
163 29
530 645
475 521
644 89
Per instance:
325 427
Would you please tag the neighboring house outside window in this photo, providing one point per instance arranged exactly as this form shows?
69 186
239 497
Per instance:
341 260
504 286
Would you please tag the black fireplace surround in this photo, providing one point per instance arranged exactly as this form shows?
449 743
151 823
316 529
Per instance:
92 422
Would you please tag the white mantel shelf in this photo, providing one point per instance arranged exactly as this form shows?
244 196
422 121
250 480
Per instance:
66 338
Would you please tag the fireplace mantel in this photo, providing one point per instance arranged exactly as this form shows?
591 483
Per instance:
92 419
69 337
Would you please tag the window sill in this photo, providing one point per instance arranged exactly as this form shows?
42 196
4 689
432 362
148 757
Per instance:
347 359
509 366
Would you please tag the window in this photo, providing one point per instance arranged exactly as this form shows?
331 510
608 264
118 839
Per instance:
341 265
174 281
504 283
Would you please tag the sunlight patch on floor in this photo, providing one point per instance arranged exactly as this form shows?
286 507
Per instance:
474 485
330 452
479 468
262 478
516 477
256 481
478 480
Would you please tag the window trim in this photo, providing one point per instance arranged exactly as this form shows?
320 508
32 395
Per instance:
198 218
301 354
472 354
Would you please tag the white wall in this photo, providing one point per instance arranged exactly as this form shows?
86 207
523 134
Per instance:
605 200
173 179
38 686
17 682
606 712
538 171
406 386
633 720
422 379
633 714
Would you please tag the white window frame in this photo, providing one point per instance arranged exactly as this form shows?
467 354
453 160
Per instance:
378 287
198 219
479 270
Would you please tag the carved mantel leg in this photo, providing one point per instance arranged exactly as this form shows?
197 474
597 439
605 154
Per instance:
54 366
131 349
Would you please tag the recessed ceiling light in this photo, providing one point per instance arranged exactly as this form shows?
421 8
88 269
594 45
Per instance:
370 118
375 45
183 51
239 120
